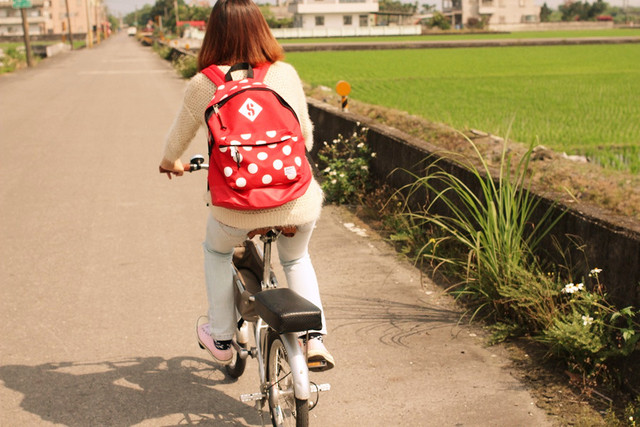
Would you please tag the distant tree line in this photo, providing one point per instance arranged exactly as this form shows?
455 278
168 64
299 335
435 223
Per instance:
164 10
585 11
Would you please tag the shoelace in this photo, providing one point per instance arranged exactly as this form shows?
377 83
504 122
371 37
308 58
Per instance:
312 337
222 345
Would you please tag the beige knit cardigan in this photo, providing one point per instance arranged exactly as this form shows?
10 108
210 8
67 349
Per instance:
282 78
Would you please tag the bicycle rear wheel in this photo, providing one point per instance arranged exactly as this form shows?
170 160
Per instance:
286 410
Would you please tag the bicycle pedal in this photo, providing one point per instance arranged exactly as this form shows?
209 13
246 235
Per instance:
320 387
318 365
251 397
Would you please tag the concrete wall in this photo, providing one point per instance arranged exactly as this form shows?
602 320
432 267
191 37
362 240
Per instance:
611 244
551 26
353 31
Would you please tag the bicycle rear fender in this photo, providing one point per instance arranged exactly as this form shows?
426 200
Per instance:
298 365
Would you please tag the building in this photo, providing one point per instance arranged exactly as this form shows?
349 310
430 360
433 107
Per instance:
310 14
494 13
38 18
49 17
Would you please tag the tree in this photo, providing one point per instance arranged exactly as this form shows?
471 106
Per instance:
440 21
199 13
271 19
545 13
578 11
397 6
428 8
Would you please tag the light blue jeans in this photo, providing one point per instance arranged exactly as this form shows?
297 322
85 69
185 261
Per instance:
218 251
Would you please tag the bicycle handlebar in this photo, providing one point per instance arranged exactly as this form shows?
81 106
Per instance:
195 164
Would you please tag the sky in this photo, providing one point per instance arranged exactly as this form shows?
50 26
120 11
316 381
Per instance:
117 7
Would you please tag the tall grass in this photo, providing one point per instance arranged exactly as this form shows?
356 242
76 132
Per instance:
490 221
493 229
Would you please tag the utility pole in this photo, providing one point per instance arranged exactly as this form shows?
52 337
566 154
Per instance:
89 31
95 9
23 5
175 5
69 24
25 30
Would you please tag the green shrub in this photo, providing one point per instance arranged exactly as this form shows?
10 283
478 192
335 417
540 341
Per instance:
344 164
13 58
162 50
187 66
588 331
439 21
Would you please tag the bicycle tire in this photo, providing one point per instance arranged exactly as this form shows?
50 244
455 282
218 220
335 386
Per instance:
286 410
236 368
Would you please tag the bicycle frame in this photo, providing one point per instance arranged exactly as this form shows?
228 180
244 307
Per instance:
271 306
296 357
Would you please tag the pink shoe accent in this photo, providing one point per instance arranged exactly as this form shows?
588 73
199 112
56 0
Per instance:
206 342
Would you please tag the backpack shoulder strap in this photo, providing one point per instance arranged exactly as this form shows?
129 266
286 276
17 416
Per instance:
260 71
214 74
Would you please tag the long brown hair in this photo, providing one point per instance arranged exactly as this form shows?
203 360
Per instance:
237 32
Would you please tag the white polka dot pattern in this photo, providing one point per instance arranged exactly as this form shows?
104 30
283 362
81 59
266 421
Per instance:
257 145
254 159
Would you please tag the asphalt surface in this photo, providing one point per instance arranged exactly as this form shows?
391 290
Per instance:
101 278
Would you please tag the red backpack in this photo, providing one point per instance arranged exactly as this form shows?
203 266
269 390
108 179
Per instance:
257 156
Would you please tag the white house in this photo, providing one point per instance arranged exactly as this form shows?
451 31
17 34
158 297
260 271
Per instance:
496 13
316 14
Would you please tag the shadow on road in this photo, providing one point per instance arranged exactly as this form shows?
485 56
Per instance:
395 322
128 392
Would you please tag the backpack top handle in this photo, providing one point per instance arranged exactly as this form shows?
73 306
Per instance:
239 66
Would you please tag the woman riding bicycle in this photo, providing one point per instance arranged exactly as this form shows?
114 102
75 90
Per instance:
237 33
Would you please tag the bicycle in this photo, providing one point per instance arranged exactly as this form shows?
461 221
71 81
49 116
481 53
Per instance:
274 317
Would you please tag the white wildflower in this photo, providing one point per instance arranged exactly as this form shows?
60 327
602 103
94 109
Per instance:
373 154
341 175
580 286
360 145
333 173
333 181
327 169
570 288
595 272
364 168
587 320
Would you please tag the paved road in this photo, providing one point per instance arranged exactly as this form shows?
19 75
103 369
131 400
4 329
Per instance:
101 278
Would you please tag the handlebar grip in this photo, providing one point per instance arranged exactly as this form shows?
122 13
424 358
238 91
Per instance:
187 168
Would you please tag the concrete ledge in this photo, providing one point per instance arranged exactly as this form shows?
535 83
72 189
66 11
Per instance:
57 48
612 244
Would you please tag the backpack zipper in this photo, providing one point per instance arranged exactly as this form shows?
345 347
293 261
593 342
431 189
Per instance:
216 110
216 107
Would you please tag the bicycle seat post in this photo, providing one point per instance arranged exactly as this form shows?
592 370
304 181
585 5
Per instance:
267 238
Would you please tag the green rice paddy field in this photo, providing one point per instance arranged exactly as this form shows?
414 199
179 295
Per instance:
581 99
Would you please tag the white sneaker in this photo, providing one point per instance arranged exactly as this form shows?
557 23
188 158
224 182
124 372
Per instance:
318 357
